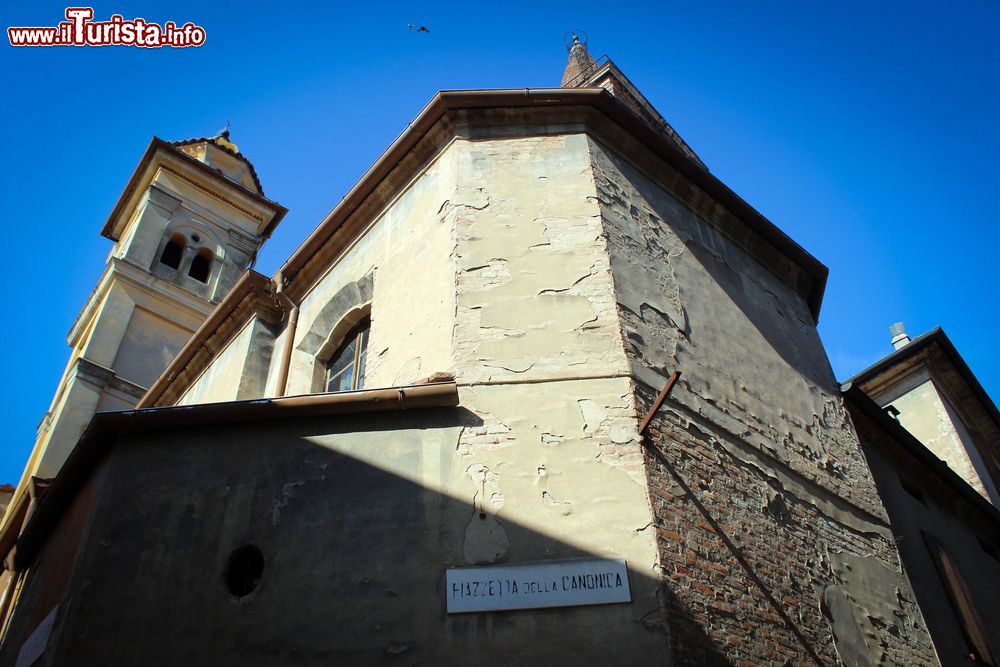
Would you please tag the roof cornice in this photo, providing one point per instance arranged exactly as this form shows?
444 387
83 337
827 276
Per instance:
938 337
114 225
447 102
311 259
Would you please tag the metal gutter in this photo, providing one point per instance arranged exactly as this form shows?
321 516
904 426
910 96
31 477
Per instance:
293 321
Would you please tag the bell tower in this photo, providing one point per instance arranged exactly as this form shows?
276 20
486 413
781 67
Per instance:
189 222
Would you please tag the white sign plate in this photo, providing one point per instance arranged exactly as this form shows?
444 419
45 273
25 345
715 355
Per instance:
567 583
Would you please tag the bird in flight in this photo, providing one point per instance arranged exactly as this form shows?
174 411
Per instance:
410 26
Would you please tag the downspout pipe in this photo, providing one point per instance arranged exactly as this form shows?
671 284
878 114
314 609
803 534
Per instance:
10 558
293 322
8 597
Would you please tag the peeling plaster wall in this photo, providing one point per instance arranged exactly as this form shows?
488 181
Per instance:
561 458
757 570
758 483
540 361
864 602
221 380
535 299
539 352
492 265
753 364
357 521
408 249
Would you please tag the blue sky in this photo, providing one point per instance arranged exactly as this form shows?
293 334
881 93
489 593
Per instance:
866 131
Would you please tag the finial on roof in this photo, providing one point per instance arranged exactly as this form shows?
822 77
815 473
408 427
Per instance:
222 139
580 60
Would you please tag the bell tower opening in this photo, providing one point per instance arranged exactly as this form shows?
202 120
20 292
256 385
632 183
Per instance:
201 265
173 251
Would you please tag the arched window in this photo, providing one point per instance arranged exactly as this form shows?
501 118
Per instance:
201 266
346 369
171 255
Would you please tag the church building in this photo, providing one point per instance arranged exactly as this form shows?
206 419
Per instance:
540 390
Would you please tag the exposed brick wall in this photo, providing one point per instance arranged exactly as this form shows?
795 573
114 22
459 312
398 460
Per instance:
745 564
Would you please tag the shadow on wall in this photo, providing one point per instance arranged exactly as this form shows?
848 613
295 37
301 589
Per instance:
787 329
277 544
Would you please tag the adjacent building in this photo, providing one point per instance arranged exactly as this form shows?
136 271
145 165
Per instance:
932 438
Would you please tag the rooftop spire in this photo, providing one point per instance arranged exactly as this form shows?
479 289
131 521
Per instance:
222 139
580 61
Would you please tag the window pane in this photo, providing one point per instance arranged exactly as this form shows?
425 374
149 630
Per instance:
344 358
340 372
342 381
346 369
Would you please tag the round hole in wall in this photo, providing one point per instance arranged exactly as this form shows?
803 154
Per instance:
244 570
195 238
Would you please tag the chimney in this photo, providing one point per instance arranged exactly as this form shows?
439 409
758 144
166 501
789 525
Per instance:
580 62
899 337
